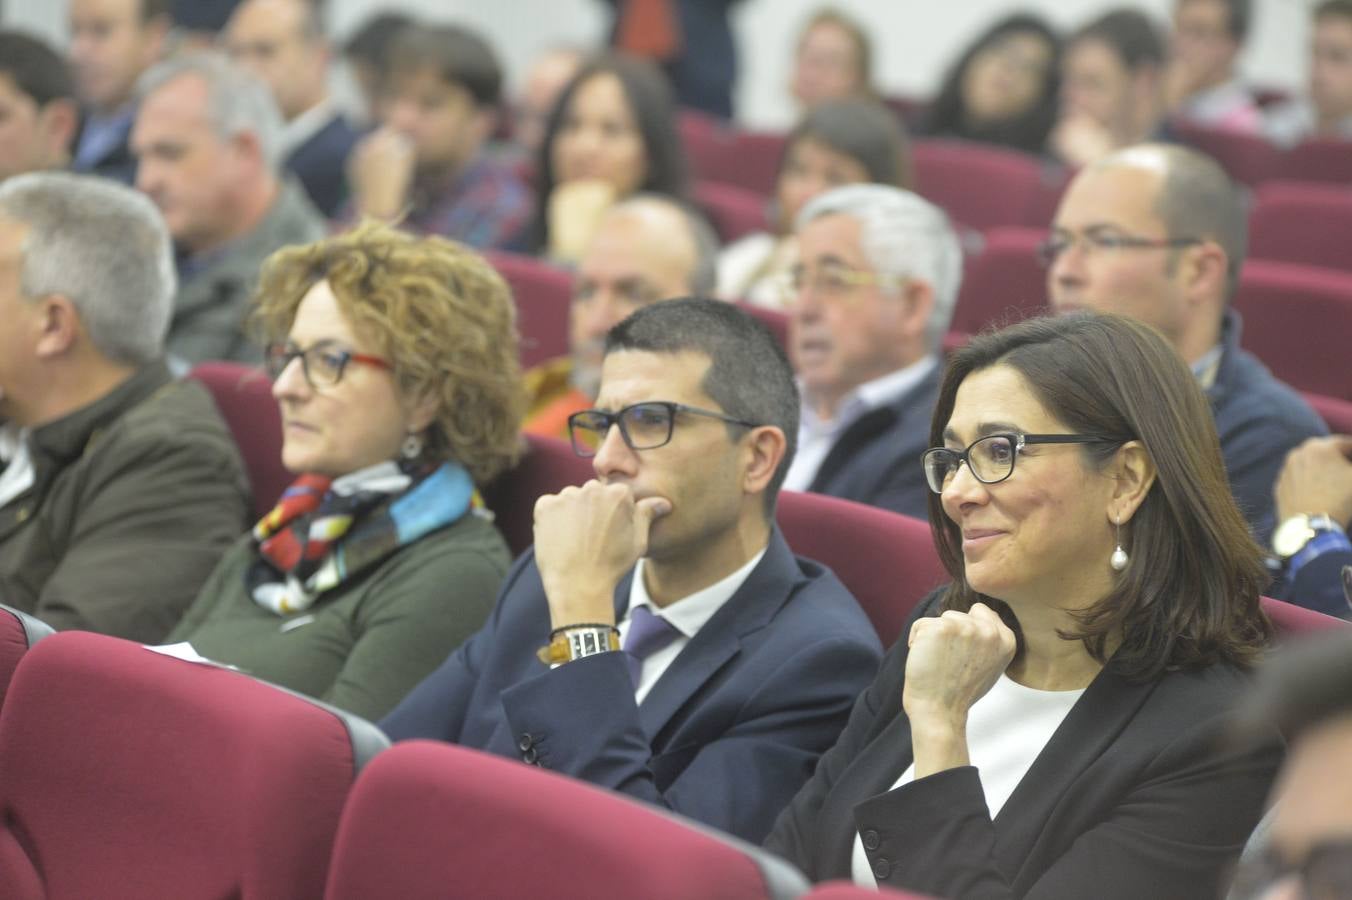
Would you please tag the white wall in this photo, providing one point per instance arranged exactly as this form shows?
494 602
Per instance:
914 39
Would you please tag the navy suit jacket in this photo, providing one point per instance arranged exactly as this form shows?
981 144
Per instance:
1139 793
726 736
321 164
877 459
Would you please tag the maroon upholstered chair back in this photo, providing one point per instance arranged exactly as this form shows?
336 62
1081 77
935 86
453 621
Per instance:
147 776
18 632
1337 414
745 159
1292 621
1297 320
1004 283
887 560
979 186
1318 159
430 820
1303 223
1248 158
732 211
548 466
244 396
543 293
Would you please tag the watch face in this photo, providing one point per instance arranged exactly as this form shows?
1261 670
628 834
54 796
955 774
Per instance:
1291 535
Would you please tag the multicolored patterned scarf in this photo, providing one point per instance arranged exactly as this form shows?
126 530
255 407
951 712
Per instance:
324 530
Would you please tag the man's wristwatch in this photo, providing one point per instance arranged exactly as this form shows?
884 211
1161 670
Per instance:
575 642
1295 532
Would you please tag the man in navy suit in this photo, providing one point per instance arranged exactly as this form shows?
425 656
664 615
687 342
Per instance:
739 662
873 294
283 42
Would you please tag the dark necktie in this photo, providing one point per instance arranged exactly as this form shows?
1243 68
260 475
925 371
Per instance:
646 635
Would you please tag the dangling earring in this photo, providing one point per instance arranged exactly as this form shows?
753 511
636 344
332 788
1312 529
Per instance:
1119 558
412 447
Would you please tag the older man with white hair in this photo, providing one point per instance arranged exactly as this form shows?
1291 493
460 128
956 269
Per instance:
873 293
207 140
119 487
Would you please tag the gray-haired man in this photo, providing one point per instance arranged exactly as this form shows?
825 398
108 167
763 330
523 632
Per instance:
119 488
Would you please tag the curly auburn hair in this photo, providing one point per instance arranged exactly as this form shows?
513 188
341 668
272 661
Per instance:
437 311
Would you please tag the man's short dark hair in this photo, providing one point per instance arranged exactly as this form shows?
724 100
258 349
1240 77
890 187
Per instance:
1302 688
1238 17
1340 8
1130 34
156 9
457 55
36 69
750 377
371 42
1197 199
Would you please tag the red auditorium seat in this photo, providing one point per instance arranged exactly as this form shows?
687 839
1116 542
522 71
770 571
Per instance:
1249 158
1303 223
776 321
1319 159
1003 283
980 186
547 467
732 211
887 560
1295 622
244 397
846 890
429 820
746 159
18 632
1337 414
147 776
542 293
1297 320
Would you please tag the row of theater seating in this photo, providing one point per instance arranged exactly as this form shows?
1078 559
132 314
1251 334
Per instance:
127 773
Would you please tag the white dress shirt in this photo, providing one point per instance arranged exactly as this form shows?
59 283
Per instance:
687 615
816 436
17 475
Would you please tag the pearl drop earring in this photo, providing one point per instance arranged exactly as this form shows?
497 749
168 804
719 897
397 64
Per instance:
1119 558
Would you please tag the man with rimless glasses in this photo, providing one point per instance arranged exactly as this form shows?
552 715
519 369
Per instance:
870 301
1158 233
661 639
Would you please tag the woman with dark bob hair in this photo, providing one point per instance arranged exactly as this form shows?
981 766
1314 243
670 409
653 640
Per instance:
1051 726
612 133
837 142
394 363
1003 88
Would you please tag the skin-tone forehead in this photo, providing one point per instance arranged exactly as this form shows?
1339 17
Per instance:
996 399
106 9
835 235
266 17
184 97
1115 194
649 238
635 376
12 234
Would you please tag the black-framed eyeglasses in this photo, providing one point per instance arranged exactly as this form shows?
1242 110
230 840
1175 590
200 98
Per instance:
323 363
991 459
1096 240
644 426
1325 873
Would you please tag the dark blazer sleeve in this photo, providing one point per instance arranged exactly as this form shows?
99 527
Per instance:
1319 585
583 721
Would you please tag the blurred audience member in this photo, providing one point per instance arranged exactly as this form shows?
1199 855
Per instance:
1158 232
1327 112
121 487
545 80
875 285
283 42
1314 511
38 112
367 53
207 143
425 167
112 42
833 60
690 39
395 366
837 142
198 24
1307 847
646 248
1003 88
1111 87
612 134
1201 84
